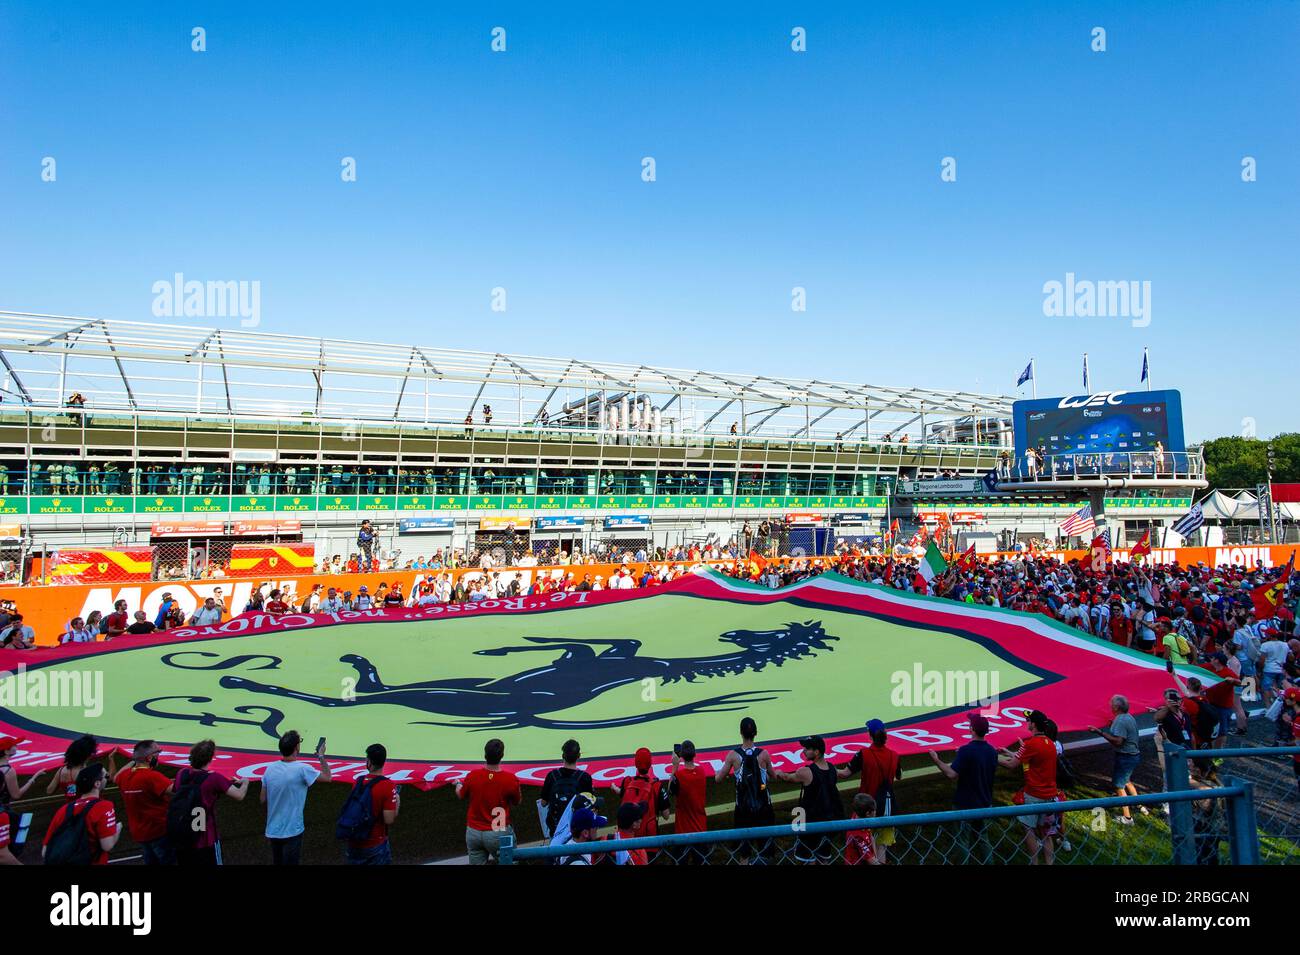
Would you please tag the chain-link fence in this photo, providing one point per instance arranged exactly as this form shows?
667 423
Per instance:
1073 832
1272 773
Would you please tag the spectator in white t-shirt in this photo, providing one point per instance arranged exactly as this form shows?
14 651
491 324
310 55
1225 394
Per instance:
206 615
1274 653
284 792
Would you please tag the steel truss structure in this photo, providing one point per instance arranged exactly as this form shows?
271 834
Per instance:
233 372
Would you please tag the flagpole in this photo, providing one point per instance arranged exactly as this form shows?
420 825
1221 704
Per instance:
1146 365
1033 376
1087 379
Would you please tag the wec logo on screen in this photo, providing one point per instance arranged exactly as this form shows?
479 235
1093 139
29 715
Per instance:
1093 401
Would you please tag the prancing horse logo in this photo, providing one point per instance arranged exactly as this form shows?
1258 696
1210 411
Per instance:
576 676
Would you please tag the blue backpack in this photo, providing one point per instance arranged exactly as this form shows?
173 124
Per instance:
357 817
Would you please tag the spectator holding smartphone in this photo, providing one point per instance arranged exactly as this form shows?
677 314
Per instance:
284 793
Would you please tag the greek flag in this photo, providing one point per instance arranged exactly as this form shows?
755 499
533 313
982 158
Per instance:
1025 375
1189 522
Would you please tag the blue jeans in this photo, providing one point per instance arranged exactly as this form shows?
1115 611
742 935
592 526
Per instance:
158 852
381 854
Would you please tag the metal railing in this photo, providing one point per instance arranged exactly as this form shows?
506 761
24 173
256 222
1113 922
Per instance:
1276 797
1091 466
1077 831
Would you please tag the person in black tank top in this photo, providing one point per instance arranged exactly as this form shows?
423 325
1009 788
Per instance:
819 801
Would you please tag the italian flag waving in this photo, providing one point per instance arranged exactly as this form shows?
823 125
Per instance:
932 564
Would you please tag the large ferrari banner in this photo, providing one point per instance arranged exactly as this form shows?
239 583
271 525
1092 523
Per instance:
616 670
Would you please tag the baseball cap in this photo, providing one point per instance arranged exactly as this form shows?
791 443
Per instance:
875 726
9 742
584 819
979 725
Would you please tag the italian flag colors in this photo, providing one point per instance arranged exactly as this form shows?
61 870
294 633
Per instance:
932 564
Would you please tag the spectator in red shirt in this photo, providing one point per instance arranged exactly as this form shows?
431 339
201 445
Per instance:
102 829
115 623
1037 756
860 844
880 768
204 847
629 817
688 783
276 605
145 793
384 803
491 792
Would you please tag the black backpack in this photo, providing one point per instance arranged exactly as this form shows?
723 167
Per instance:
1207 721
70 844
357 817
186 803
751 788
563 789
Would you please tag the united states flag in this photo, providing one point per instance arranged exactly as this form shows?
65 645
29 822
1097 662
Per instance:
1189 522
1079 523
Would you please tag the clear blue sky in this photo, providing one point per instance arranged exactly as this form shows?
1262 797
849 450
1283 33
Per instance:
775 169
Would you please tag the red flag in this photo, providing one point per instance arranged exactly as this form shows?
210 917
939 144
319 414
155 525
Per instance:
889 572
967 560
1143 547
1267 596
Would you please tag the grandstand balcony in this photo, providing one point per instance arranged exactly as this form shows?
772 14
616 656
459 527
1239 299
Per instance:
1169 470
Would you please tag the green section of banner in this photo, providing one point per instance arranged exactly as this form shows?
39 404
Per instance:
46 505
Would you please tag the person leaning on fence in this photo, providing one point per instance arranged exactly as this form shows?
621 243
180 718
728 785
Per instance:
819 800
1037 757
1123 736
629 817
585 827
1289 719
491 793
860 844
973 769
752 767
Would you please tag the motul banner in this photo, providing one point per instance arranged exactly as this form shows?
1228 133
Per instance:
98 566
261 560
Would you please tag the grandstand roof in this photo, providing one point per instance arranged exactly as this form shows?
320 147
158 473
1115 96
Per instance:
169 367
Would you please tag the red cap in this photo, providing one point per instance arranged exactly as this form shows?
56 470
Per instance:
9 742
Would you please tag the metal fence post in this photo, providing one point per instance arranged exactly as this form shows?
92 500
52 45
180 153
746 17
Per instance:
506 849
1180 813
1243 831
